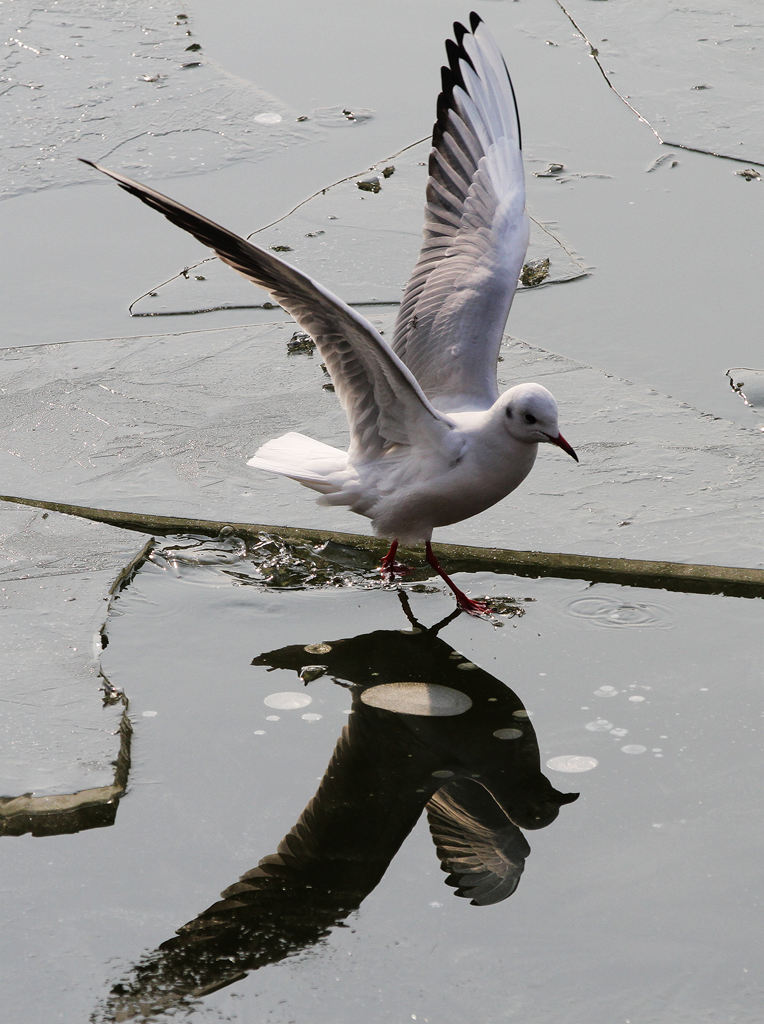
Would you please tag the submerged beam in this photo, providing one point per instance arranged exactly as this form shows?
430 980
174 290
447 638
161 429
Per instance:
689 577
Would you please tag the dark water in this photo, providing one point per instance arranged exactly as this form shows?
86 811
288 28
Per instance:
320 793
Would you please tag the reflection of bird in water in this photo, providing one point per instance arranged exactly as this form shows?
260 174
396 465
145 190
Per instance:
431 440
428 731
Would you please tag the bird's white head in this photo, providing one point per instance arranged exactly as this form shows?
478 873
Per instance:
530 415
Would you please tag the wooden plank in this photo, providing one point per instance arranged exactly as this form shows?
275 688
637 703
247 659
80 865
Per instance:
734 581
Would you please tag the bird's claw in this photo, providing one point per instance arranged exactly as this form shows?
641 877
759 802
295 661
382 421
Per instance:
391 571
478 608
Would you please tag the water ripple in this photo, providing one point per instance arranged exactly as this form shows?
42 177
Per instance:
610 611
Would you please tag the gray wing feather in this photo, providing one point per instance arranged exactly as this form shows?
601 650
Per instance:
455 306
383 402
480 849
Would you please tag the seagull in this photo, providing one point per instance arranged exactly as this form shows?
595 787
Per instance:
431 440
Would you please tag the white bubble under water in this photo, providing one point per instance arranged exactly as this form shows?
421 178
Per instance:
572 763
599 725
508 734
414 698
288 700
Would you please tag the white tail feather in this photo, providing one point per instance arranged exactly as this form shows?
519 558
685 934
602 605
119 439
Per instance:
311 463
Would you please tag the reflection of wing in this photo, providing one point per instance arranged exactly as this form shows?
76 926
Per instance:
325 866
383 772
455 306
480 848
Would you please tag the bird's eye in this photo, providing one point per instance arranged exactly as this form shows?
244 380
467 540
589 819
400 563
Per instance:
509 412
529 418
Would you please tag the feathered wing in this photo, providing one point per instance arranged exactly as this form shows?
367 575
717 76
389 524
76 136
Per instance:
383 402
455 306
482 851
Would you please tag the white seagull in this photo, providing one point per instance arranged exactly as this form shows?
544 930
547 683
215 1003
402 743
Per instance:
431 440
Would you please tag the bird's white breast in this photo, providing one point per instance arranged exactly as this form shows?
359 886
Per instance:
422 492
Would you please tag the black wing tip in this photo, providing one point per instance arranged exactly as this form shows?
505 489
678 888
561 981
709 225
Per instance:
459 33
126 183
450 79
451 75
105 170
455 51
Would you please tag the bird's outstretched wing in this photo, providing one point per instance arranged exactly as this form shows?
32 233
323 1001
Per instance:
455 306
383 402
482 851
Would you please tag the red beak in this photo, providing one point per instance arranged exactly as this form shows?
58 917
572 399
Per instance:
562 443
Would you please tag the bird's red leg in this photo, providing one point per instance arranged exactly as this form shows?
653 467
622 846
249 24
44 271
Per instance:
464 602
389 567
